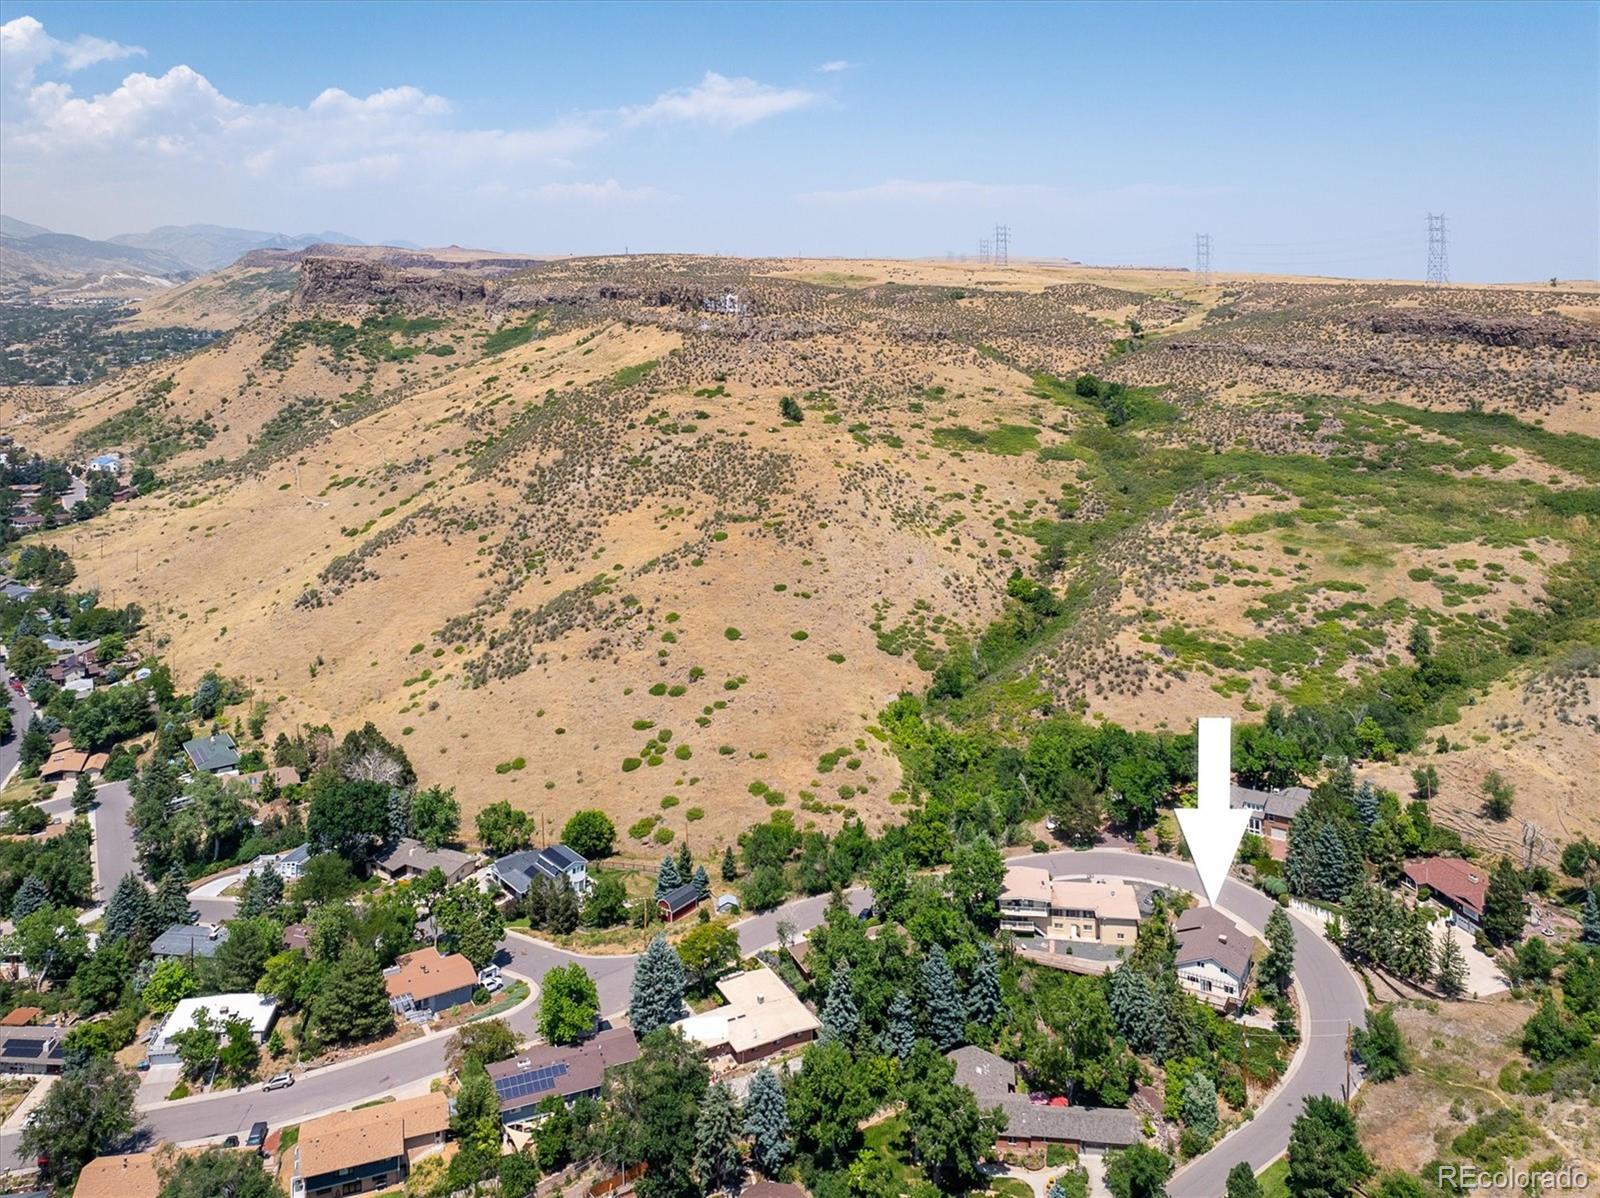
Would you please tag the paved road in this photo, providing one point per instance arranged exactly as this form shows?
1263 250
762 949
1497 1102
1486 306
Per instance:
21 713
1332 995
114 851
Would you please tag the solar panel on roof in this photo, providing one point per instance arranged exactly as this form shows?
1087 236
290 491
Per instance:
24 1048
534 1081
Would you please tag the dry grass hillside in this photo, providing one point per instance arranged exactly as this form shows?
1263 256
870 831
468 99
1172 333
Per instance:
548 525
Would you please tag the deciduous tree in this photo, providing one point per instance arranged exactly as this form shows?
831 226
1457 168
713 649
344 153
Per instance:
568 1005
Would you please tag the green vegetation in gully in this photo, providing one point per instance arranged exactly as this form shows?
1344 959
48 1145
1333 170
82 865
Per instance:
371 340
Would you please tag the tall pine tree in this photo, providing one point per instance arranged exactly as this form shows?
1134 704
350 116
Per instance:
899 1034
129 911
657 995
841 1020
172 900
717 1162
946 1015
702 883
667 877
1277 968
33 895
1452 968
1503 912
1591 917
766 1122
983 995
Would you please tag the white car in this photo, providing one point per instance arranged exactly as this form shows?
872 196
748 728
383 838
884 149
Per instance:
281 1081
493 984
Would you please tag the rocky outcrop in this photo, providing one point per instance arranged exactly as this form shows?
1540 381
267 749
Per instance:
343 283
1526 332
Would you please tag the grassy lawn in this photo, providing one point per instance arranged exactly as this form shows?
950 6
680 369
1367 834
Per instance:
1275 1180
504 1001
1010 1187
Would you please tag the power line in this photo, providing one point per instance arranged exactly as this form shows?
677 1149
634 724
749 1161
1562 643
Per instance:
1202 258
1002 245
1438 252
985 251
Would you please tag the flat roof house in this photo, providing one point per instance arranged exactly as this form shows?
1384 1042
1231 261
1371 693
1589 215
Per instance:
1096 910
408 858
31 1051
1033 1126
189 941
1271 813
214 754
355 1152
131 1176
1461 887
258 1010
762 1016
526 1080
426 982
1213 956
516 871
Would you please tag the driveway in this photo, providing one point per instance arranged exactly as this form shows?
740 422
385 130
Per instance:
1334 1001
114 852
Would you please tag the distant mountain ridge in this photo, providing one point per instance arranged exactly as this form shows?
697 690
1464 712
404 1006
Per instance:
207 247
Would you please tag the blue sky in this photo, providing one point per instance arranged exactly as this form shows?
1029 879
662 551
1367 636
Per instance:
1304 138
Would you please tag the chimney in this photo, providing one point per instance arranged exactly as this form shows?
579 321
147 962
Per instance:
1223 937
760 998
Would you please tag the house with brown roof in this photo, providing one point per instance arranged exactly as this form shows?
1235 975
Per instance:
1460 887
132 1176
1271 813
355 1152
66 763
1092 910
540 1071
1213 960
1032 1126
426 982
408 858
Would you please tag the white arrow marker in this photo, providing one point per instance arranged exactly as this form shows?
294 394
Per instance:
1214 828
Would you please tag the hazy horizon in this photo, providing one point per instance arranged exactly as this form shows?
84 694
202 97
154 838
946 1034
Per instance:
1305 140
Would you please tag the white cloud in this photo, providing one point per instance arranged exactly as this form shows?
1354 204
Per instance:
607 194
25 47
722 102
391 101
834 65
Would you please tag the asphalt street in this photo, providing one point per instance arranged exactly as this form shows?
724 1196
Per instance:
1332 996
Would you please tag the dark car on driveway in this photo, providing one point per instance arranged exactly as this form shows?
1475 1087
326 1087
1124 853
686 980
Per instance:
257 1138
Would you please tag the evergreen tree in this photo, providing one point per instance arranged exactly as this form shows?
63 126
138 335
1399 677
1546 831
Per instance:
33 895
352 1003
1591 917
1366 800
1277 968
1242 1182
840 1019
128 912
1452 969
766 1122
730 866
717 1162
1199 1105
702 883
1324 858
658 981
983 995
172 900
685 861
947 1018
1326 1159
1138 1010
1381 1047
1503 912
1413 950
82 795
565 911
899 1035
261 893
667 877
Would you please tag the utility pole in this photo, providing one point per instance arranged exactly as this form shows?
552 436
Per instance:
1438 251
1347 1034
1002 245
984 249
1202 258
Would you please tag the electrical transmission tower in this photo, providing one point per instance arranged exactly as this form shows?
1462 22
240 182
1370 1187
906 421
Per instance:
985 250
1202 258
1438 252
1002 245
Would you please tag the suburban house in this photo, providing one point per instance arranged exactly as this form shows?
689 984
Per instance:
258 1010
1460 887
31 1050
526 1080
106 463
1096 910
287 865
678 902
426 982
1271 813
1034 1126
283 775
214 754
408 858
355 1152
66 764
516 871
761 1016
1213 956
189 941
131 1176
